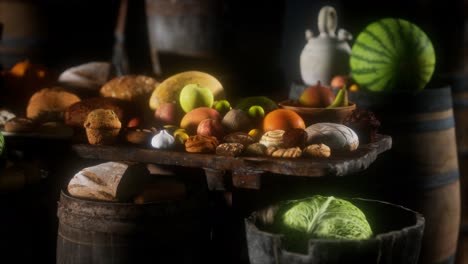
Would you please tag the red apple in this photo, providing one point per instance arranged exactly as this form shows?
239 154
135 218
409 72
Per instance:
135 122
168 114
210 127
317 96
338 81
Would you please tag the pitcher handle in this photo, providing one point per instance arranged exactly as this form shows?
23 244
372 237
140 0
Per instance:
327 21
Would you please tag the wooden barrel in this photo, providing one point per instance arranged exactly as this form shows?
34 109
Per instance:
398 234
105 232
23 31
421 170
459 84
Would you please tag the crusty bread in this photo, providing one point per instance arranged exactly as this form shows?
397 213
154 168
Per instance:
110 181
49 104
134 88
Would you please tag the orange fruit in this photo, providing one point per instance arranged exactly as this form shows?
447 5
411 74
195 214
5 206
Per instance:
283 119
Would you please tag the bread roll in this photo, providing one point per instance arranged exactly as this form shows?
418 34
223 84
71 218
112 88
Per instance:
134 88
102 127
49 104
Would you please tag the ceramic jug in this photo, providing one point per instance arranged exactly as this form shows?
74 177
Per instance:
327 54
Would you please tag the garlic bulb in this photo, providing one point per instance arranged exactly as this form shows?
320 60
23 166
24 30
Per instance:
163 140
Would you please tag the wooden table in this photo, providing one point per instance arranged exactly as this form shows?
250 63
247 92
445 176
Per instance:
235 183
245 172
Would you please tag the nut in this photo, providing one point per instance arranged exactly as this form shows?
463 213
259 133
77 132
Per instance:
230 149
317 151
239 137
256 149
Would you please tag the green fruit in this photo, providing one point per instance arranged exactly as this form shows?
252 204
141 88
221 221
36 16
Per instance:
392 54
222 106
169 90
266 103
193 96
341 99
256 112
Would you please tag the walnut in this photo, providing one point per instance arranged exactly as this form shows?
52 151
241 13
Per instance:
230 149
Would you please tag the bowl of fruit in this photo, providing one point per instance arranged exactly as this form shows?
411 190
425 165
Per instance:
318 103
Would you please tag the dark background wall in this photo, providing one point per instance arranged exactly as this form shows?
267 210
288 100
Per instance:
259 41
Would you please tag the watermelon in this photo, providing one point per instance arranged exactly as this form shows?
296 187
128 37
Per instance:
392 54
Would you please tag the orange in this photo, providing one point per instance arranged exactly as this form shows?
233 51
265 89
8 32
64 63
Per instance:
283 119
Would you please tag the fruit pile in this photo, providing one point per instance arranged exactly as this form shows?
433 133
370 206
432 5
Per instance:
191 114
184 112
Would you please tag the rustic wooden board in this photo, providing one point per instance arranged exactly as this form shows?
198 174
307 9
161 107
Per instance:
341 164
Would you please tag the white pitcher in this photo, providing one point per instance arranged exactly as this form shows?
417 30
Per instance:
327 54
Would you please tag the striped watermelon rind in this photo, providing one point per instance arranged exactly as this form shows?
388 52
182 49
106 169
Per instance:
392 54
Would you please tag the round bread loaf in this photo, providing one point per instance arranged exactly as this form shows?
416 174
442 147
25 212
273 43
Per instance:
134 88
49 104
76 114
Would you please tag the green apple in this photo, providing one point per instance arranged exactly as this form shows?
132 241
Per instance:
222 106
256 112
193 96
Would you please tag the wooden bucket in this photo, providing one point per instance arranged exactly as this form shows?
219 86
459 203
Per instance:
398 234
105 232
421 170
23 31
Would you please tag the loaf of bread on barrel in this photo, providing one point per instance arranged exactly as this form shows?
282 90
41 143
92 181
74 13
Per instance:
110 181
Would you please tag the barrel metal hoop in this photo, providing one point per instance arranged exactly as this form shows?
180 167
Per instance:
437 180
460 103
449 260
427 125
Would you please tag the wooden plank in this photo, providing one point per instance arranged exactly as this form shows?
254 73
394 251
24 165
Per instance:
340 164
246 179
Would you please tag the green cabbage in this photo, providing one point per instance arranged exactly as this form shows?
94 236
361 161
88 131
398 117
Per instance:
324 217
